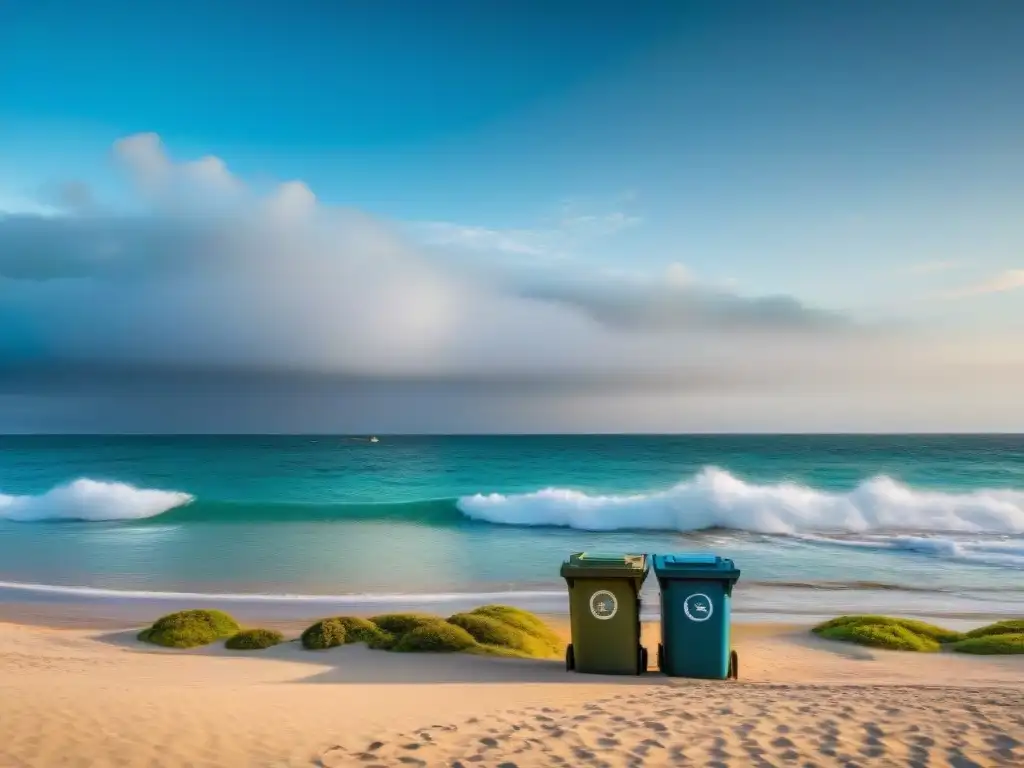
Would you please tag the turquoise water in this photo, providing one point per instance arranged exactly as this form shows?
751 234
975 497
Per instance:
940 516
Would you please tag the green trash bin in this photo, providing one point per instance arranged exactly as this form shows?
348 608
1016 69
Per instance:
604 613
696 593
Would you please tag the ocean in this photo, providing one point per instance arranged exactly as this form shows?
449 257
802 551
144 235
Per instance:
923 525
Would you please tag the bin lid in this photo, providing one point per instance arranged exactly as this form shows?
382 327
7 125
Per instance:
605 565
695 565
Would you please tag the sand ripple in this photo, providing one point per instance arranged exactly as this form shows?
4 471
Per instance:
719 725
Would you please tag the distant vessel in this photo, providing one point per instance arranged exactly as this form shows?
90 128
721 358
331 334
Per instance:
374 440
371 439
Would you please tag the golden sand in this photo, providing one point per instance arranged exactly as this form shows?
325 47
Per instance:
96 697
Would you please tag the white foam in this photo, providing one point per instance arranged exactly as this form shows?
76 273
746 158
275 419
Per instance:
92 501
716 499
753 603
985 551
101 593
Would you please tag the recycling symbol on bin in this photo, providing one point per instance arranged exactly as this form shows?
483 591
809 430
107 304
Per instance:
698 607
603 604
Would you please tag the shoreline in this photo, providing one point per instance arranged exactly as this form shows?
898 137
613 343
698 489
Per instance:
59 606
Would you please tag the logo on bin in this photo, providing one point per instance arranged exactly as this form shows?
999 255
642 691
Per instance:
603 604
698 607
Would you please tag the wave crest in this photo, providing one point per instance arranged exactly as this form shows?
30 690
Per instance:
716 499
91 501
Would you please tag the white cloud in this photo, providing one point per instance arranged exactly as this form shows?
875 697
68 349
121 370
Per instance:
144 154
678 275
212 173
592 225
572 229
1010 280
11 202
196 186
292 200
520 242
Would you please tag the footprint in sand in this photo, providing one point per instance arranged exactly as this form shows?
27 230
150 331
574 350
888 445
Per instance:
958 760
1003 741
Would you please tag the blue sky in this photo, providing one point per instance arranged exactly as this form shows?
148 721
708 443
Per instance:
860 158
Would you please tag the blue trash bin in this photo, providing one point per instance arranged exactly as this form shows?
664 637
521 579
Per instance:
696 592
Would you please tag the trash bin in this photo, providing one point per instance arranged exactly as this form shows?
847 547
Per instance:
604 613
696 592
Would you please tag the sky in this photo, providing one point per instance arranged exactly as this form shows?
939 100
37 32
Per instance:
463 217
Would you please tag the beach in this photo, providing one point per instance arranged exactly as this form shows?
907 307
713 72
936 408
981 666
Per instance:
99 536
84 692
371 374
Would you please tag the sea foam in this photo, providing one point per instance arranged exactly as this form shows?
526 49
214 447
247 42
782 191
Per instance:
91 501
986 551
716 499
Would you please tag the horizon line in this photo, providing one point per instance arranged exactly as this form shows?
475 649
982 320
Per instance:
707 433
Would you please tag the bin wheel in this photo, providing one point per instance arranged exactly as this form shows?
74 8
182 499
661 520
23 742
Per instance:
570 658
734 665
642 661
661 657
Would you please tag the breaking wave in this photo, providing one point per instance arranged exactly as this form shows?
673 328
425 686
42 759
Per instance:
91 501
879 513
716 499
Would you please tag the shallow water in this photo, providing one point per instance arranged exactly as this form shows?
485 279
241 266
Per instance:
918 520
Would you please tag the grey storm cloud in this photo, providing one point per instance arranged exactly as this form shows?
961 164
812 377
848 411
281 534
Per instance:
212 289
333 300
666 307
211 278
38 248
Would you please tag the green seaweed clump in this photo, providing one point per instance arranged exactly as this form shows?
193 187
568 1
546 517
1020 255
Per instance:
345 630
188 629
326 633
1002 637
886 632
400 623
992 645
1005 627
526 622
437 636
254 640
360 630
500 639
493 630
489 631
923 628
